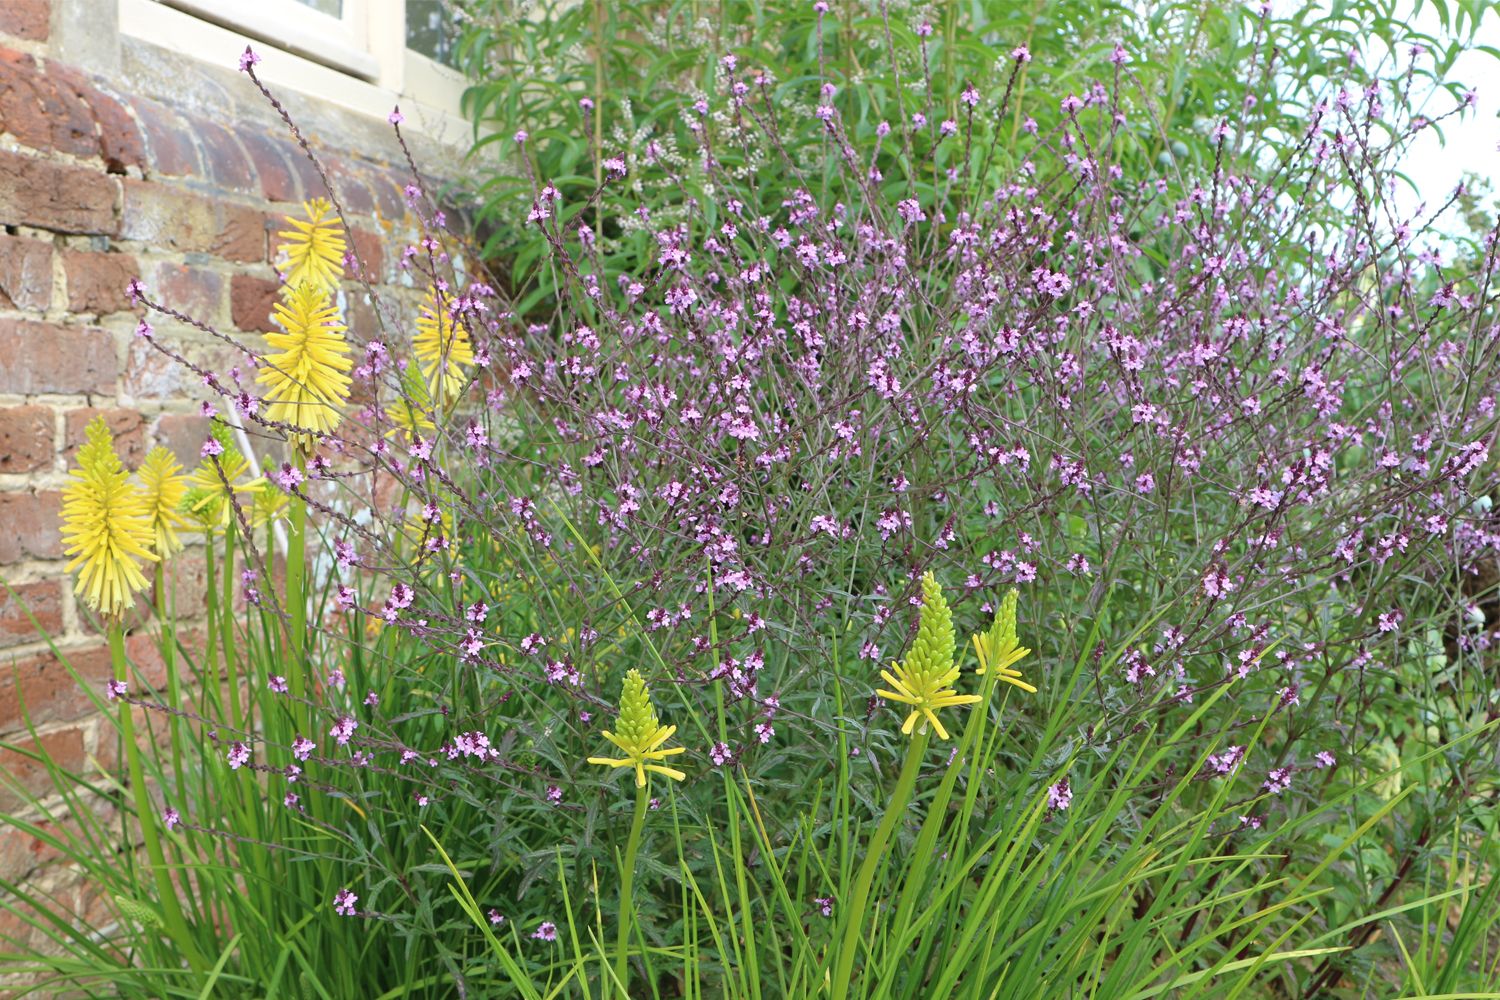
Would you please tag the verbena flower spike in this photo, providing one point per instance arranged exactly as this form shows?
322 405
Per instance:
106 525
163 486
314 248
925 680
640 734
999 649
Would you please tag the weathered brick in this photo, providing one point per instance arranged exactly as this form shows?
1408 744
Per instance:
112 136
43 600
166 217
250 302
48 691
22 852
389 190
150 374
44 357
277 182
97 282
28 19
183 434
57 196
173 151
25 273
228 164
127 426
242 234
30 527
194 291
369 249
63 747
25 438
50 110
352 192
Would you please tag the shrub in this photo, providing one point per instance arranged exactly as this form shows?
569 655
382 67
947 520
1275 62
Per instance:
1223 430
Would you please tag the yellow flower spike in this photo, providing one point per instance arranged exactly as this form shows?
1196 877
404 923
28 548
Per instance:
163 486
412 410
307 379
999 648
443 348
314 248
106 526
925 680
640 734
206 499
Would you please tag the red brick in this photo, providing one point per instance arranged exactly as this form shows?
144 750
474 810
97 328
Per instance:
25 438
63 747
113 135
48 111
30 526
173 151
183 434
25 273
22 853
43 357
81 104
28 19
43 600
193 291
277 182
353 194
97 281
57 196
250 301
307 175
241 236
49 693
228 164
370 251
127 426
166 217
389 189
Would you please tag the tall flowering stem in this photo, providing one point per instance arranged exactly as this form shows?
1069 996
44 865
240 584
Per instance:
854 914
638 734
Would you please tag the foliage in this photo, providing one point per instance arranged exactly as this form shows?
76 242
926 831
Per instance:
1222 422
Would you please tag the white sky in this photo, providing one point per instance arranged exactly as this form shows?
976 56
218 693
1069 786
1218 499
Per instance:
1468 144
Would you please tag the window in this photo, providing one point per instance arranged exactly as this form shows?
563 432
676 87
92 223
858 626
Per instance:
363 54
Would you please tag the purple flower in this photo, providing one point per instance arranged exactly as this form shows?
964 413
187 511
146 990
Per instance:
248 58
395 117
239 755
303 747
171 819
343 903
546 931
114 690
1059 795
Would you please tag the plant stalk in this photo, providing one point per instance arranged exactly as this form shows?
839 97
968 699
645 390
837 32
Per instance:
874 856
627 890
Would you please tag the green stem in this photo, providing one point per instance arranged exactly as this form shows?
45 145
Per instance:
854 909
226 633
296 596
168 645
171 911
627 890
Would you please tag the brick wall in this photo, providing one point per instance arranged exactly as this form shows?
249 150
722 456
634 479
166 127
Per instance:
147 166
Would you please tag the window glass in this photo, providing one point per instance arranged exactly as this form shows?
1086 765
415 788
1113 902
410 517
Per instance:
431 30
333 8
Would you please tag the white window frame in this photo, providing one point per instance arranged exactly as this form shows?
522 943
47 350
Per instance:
341 43
359 60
